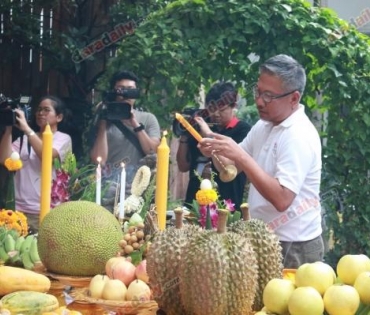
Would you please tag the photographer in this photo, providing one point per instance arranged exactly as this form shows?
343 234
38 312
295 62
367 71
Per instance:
50 110
124 134
220 107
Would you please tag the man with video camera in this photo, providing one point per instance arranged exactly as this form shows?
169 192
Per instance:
124 134
221 101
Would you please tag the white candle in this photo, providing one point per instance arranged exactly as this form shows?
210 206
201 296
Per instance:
122 193
98 181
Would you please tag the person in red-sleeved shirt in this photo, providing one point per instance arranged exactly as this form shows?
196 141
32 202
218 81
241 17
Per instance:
221 102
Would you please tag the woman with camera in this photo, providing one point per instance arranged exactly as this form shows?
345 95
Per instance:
50 110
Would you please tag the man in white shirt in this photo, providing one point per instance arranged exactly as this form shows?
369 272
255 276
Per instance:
281 157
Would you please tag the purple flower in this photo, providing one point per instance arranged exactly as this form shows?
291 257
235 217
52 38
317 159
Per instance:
229 205
59 188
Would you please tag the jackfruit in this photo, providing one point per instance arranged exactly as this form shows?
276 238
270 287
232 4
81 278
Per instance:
77 238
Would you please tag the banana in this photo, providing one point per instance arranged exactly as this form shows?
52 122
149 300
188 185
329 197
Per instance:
26 245
4 257
15 259
9 243
19 242
34 254
26 260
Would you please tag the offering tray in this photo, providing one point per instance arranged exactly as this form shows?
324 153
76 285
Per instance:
123 307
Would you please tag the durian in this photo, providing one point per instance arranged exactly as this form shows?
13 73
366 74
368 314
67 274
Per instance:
218 273
266 247
163 258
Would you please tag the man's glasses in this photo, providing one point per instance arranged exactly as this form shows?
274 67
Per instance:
266 96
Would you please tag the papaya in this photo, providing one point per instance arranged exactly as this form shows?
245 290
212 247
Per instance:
29 302
14 279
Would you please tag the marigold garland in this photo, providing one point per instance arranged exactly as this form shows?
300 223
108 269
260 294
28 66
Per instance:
14 220
206 196
13 165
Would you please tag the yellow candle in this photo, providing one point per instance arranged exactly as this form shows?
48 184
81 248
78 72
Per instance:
163 159
46 169
188 127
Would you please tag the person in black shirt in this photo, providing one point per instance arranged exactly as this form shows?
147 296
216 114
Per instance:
220 108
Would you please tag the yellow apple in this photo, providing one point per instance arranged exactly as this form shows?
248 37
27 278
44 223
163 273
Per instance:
318 275
362 285
341 299
276 295
114 289
350 266
96 286
306 301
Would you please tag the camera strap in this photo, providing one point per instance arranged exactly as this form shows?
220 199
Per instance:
129 135
21 144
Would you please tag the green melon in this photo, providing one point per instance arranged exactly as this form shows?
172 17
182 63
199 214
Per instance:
77 238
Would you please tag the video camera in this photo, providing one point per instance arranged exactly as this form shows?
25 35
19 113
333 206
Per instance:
189 114
114 106
8 106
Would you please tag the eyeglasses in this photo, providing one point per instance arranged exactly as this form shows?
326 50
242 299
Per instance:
266 96
46 110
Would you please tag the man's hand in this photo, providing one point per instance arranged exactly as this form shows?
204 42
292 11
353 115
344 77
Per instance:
221 145
132 122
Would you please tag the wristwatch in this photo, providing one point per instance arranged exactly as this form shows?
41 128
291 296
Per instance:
139 128
31 133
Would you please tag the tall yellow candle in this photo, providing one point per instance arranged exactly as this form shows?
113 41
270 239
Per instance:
163 161
188 127
46 170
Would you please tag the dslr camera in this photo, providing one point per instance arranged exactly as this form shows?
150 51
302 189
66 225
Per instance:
114 106
8 106
189 114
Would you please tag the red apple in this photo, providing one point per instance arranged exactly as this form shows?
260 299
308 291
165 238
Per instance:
123 270
110 263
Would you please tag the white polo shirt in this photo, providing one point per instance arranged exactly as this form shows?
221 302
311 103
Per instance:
290 152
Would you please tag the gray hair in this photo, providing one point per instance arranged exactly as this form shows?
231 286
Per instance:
288 70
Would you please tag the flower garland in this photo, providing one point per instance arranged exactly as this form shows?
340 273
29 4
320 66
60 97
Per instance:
60 188
14 220
208 199
206 196
14 162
